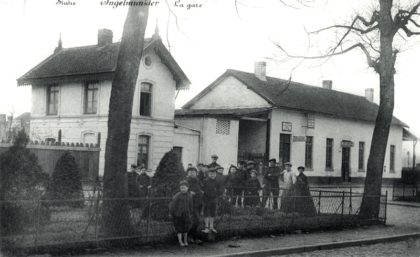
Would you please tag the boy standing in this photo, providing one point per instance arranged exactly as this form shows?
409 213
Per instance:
211 191
181 208
197 195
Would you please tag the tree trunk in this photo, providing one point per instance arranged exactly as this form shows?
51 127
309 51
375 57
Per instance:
115 211
370 207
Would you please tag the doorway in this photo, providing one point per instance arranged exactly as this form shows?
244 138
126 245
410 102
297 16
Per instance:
284 151
345 164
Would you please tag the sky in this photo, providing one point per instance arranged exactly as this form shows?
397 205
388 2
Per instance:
207 41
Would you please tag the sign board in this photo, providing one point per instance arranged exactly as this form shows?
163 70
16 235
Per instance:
299 138
286 126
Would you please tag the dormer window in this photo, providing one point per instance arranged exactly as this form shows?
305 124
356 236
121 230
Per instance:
146 99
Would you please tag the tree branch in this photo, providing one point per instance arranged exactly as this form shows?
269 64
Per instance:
408 32
372 63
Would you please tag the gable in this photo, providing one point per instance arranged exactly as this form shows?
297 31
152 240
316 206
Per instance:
229 93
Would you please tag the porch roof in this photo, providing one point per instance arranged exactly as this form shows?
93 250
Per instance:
233 113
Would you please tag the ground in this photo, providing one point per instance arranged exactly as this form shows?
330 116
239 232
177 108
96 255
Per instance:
401 220
408 248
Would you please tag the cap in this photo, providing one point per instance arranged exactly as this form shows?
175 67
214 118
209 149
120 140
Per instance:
191 169
253 171
272 160
200 164
250 162
219 168
133 166
288 164
214 156
301 168
183 182
212 170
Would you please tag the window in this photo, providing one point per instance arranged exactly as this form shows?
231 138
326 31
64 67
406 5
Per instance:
223 127
50 140
284 151
310 120
90 138
329 154
392 159
143 151
52 100
178 151
146 99
148 61
361 156
91 98
308 152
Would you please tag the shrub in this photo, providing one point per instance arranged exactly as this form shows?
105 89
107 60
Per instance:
21 178
168 175
165 183
66 183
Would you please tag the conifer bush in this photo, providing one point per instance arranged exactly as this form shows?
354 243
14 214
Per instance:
21 180
165 183
66 183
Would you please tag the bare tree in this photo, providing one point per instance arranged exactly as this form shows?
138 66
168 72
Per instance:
115 212
375 37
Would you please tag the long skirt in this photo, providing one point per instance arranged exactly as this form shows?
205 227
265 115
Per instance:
287 201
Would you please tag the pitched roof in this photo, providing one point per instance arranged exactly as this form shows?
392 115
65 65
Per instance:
292 95
78 63
24 116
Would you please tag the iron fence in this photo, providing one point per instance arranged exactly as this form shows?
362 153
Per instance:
57 225
405 192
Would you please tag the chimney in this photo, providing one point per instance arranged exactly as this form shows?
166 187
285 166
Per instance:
259 70
327 84
369 94
104 37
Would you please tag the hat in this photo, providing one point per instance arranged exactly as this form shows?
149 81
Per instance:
301 167
212 169
272 160
253 171
288 164
200 164
133 166
191 169
250 162
214 156
219 168
183 182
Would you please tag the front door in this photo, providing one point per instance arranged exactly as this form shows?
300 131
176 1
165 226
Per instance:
284 152
345 164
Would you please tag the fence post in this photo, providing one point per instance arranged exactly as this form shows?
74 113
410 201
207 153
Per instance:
403 192
148 216
351 201
386 205
342 208
319 202
96 217
37 214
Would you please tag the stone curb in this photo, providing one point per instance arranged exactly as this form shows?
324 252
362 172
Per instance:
315 247
410 205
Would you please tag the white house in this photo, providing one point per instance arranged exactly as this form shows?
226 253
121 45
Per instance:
252 116
71 91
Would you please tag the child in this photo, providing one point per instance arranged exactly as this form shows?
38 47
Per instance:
181 208
234 186
197 196
252 196
212 190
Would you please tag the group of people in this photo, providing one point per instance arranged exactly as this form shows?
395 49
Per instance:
199 193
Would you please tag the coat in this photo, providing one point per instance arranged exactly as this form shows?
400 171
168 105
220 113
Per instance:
211 189
181 205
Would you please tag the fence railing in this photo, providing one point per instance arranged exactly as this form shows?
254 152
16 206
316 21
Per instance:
55 223
404 192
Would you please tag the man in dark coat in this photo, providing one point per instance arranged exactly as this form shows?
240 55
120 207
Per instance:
271 183
132 181
213 163
143 182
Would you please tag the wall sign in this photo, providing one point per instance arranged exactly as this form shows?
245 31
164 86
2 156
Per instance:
299 139
286 126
